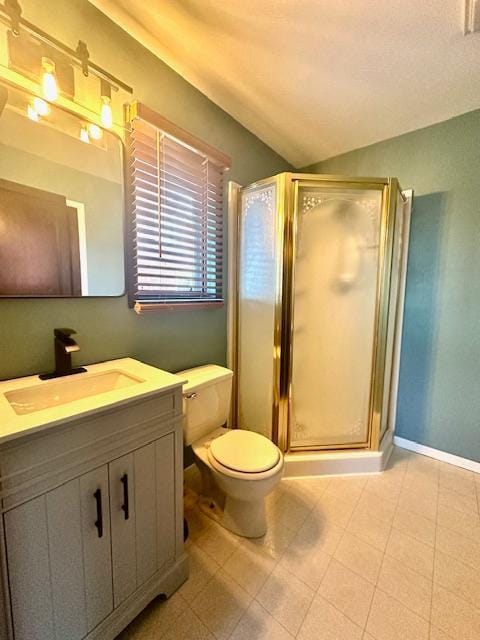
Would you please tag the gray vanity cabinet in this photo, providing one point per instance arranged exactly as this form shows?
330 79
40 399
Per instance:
85 556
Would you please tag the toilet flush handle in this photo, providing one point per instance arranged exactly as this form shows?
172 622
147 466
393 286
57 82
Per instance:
190 396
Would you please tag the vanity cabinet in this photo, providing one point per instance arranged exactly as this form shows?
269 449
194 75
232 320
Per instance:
93 522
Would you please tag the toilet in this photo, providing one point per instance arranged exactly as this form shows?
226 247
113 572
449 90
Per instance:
239 468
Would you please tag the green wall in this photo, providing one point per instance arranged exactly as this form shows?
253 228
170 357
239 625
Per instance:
439 395
106 327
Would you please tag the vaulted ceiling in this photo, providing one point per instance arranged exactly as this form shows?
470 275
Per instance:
316 78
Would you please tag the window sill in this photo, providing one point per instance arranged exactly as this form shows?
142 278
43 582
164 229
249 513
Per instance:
142 308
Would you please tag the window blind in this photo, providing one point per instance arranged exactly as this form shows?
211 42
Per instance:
177 221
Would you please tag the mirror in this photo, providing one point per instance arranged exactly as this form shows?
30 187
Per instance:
61 202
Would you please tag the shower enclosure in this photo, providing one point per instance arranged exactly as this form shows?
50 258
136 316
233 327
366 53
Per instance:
315 321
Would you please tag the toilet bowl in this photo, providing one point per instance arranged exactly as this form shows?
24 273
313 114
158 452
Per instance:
238 467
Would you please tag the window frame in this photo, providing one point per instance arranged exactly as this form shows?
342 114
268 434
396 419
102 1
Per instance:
222 161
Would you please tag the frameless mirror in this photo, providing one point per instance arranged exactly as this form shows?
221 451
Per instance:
61 202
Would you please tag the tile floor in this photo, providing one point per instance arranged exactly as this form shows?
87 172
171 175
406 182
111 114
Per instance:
390 557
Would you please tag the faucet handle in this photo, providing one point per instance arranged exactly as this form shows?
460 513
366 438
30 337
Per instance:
63 333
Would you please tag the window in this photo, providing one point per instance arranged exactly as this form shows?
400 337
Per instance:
176 243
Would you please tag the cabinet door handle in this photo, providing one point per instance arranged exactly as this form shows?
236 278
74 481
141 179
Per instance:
125 505
99 522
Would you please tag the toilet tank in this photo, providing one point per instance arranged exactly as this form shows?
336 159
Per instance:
206 400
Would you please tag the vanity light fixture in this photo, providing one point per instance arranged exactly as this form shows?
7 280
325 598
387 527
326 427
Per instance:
41 106
106 115
49 81
84 137
94 131
60 54
32 114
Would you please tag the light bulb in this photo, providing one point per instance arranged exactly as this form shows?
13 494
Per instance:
95 131
49 82
32 114
106 115
84 137
41 107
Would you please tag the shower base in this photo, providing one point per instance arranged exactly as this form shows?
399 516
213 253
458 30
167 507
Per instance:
341 462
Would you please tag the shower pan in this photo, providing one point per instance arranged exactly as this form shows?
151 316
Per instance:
315 315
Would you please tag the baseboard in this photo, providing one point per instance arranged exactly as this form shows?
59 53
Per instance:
443 456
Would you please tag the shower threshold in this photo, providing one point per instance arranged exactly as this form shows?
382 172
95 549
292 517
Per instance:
299 464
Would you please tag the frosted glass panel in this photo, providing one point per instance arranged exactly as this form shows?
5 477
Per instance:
258 271
338 233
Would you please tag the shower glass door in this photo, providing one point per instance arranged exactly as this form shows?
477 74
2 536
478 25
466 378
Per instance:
336 272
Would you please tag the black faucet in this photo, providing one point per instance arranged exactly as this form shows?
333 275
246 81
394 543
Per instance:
64 347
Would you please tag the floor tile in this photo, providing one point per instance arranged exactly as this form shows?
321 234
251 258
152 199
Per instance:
454 616
306 562
407 586
324 622
360 557
308 490
457 577
376 507
155 620
454 500
289 511
276 540
257 624
415 525
319 533
250 565
348 592
411 552
467 524
347 488
391 620
202 567
198 523
188 627
218 543
419 501
437 634
458 480
221 604
454 544
334 509
370 529
386 486
286 598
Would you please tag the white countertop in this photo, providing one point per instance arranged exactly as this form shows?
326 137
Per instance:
14 426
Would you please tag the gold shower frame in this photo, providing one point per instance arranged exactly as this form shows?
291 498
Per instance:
287 186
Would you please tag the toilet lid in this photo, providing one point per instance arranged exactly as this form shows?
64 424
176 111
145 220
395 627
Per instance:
245 451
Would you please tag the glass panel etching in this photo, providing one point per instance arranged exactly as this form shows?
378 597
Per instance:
335 286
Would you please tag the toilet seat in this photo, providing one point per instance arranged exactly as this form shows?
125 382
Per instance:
244 454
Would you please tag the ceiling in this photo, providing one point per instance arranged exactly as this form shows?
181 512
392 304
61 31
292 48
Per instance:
316 78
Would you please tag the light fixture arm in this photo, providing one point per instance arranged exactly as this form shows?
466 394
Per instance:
14 13
11 14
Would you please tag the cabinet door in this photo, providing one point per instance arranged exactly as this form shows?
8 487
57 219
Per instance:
121 477
59 568
64 519
165 498
26 533
145 541
145 513
96 545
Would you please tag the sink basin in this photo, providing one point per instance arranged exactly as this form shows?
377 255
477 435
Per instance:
64 390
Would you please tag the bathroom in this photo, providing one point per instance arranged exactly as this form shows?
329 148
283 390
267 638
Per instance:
356 127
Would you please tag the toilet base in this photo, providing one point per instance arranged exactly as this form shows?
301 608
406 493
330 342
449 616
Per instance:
246 519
